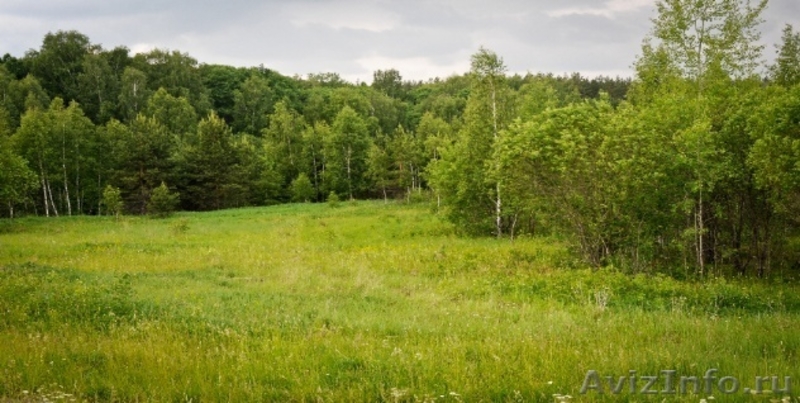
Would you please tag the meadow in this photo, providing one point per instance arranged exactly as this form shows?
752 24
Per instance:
364 302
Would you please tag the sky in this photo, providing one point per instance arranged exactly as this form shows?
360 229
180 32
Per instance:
422 39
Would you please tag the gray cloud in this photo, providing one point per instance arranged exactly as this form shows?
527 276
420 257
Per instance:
421 38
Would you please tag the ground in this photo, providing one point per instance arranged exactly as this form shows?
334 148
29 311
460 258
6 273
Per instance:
364 302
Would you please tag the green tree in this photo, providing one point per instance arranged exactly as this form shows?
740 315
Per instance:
271 181
407 155
285 131
59 63
32 141
142 154
174 113
302 190
17 180
355 98
538 95
560 168
162 202
21 95
314 154
379 167
177 73
112 201
436 136
134 93
221 83
474 198
345 153
98 88
214 168
317 104
389 82
699 33
708 43
774 159
333 199
252 105
786 70
60 142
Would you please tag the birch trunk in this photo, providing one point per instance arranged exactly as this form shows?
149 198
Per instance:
64 169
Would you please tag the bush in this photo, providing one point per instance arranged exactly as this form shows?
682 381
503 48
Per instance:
162 202
302 189
333 199
112 201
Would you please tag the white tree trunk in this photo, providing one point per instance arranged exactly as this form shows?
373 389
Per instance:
498 200
64 169
50 193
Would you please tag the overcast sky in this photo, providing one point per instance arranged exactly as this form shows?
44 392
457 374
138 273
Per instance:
420 38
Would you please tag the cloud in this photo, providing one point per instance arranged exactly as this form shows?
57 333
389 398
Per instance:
420 38
611 9
342 15
412 67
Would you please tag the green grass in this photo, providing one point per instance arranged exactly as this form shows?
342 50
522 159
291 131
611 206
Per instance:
363 302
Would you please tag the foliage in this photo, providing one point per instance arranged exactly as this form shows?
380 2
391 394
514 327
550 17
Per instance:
333 199
176 114
213 168
345 152
462 176
112 201
16 178
142 153
253 103
700 33
59 63
285 133
162 202
786 70
302 189
134 93
60 143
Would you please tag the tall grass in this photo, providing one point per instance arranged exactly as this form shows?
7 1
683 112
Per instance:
364 302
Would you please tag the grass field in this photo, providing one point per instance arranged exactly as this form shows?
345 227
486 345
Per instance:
365 302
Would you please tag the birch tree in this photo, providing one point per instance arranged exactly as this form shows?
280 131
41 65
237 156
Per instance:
57 142
706 40
346 153
134 94
470 193
17 180
786 70
285 131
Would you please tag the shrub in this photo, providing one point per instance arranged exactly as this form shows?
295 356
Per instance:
112 201
333 199
302 189
162 202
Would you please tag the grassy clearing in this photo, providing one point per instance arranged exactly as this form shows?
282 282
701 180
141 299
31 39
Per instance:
365 302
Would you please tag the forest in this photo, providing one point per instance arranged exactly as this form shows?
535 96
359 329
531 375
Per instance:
690 168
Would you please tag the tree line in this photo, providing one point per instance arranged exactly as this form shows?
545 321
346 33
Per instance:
75 118
691 166
695 172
